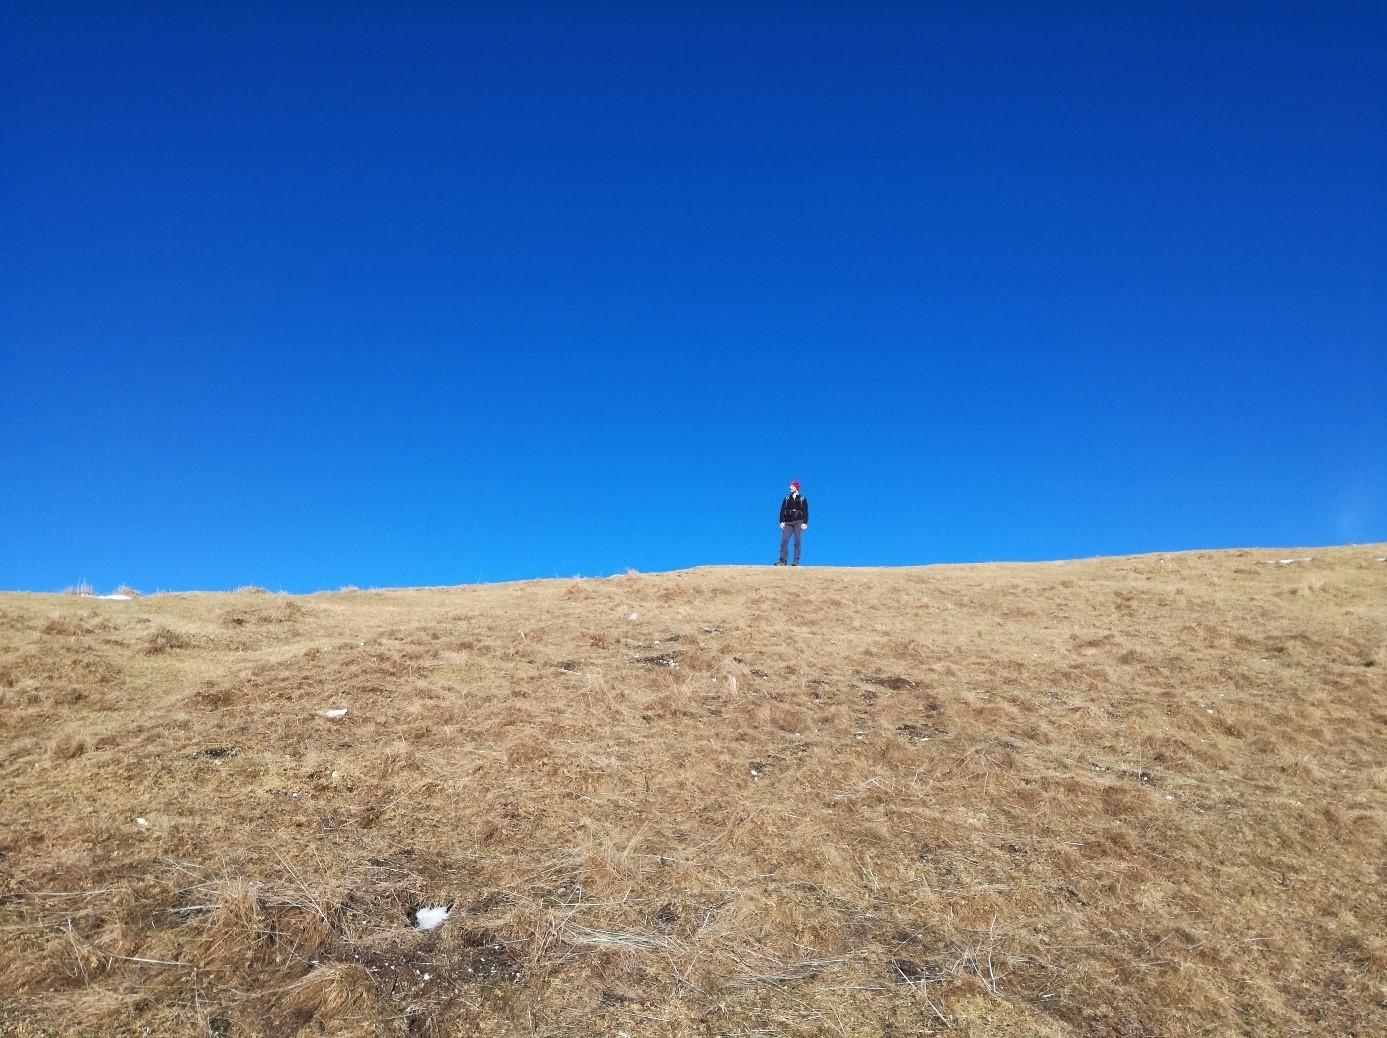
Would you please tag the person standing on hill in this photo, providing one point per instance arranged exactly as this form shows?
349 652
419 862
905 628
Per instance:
794 520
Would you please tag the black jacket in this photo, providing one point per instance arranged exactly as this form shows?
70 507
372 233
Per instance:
795 509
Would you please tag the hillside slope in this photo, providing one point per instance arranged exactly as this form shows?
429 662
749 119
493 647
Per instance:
1128 796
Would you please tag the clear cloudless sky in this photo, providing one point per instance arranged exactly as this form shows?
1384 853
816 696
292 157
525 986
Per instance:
308 294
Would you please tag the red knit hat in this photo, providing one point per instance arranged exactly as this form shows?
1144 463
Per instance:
794 483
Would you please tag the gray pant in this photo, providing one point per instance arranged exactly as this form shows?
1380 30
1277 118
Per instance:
797 531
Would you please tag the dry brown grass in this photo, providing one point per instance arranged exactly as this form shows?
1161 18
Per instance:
1113 797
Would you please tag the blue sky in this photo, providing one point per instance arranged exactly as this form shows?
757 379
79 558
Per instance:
306 295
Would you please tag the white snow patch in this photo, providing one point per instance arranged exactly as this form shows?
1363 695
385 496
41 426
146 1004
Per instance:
634 616
335 712
114 598
141 821
1287 562
429 918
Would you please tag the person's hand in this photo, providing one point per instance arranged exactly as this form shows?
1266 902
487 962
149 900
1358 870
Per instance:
782 526
805 526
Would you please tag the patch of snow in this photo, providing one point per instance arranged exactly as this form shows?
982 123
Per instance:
141 821
1287 562
113 598
340 711
634 616
429 918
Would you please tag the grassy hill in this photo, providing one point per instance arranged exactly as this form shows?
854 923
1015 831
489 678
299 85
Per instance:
1132 796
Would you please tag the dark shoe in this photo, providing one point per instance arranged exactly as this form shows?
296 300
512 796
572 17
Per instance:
781 562
794 564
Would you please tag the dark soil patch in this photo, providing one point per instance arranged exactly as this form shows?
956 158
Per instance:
908 971
216 753
479 958
895 684
619 998
667 915
666 659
